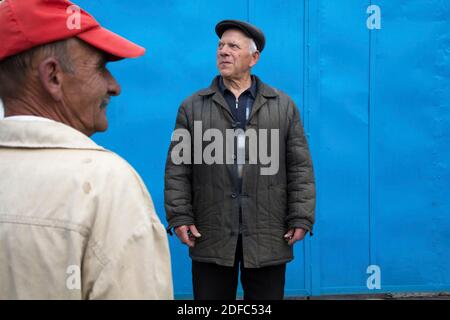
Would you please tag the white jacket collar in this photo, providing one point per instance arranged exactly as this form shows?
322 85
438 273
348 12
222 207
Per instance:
43 134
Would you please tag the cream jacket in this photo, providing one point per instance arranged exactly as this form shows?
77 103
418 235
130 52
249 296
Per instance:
76 221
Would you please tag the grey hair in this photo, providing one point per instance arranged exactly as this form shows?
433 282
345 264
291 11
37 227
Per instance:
252 46
15 69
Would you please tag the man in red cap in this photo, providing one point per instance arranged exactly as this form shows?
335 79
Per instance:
76 221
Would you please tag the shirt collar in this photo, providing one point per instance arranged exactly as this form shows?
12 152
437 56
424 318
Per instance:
26 118
252 89
42 135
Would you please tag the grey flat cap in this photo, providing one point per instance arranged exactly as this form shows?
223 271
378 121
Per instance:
250 30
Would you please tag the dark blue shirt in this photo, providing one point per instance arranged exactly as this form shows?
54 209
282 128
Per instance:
241 107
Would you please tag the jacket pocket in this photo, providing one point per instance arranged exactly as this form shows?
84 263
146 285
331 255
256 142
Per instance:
278 205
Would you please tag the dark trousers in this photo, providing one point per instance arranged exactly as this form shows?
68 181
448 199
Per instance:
214 282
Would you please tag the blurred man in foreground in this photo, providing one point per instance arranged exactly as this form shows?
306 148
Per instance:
76 221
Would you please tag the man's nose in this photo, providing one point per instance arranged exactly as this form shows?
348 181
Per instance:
223 52
114 88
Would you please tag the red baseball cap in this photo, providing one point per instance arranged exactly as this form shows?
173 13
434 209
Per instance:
29 23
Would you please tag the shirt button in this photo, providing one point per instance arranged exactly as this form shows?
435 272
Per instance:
234 195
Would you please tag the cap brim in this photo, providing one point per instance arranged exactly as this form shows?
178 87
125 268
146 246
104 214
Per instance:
111 43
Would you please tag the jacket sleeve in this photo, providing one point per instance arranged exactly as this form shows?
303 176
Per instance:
300 174
177 182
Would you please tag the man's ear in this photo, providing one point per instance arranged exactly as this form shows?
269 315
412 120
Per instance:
255 58
51 76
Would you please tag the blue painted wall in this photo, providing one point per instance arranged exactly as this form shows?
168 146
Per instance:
375 105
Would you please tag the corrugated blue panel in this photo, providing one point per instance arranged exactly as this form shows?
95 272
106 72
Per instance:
410 138
342 151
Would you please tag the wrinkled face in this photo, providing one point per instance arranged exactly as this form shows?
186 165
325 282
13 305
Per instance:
87 91
234 59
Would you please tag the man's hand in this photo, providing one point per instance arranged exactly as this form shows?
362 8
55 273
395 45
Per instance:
187 235
294 235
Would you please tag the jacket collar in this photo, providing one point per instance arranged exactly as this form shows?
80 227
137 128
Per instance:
42 135
262 89
252 89
264 92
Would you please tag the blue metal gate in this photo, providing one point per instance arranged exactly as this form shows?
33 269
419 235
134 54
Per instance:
375 106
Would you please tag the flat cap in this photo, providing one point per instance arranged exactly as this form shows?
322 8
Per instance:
250 30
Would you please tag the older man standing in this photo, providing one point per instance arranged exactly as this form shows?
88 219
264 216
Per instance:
232 216
76 221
